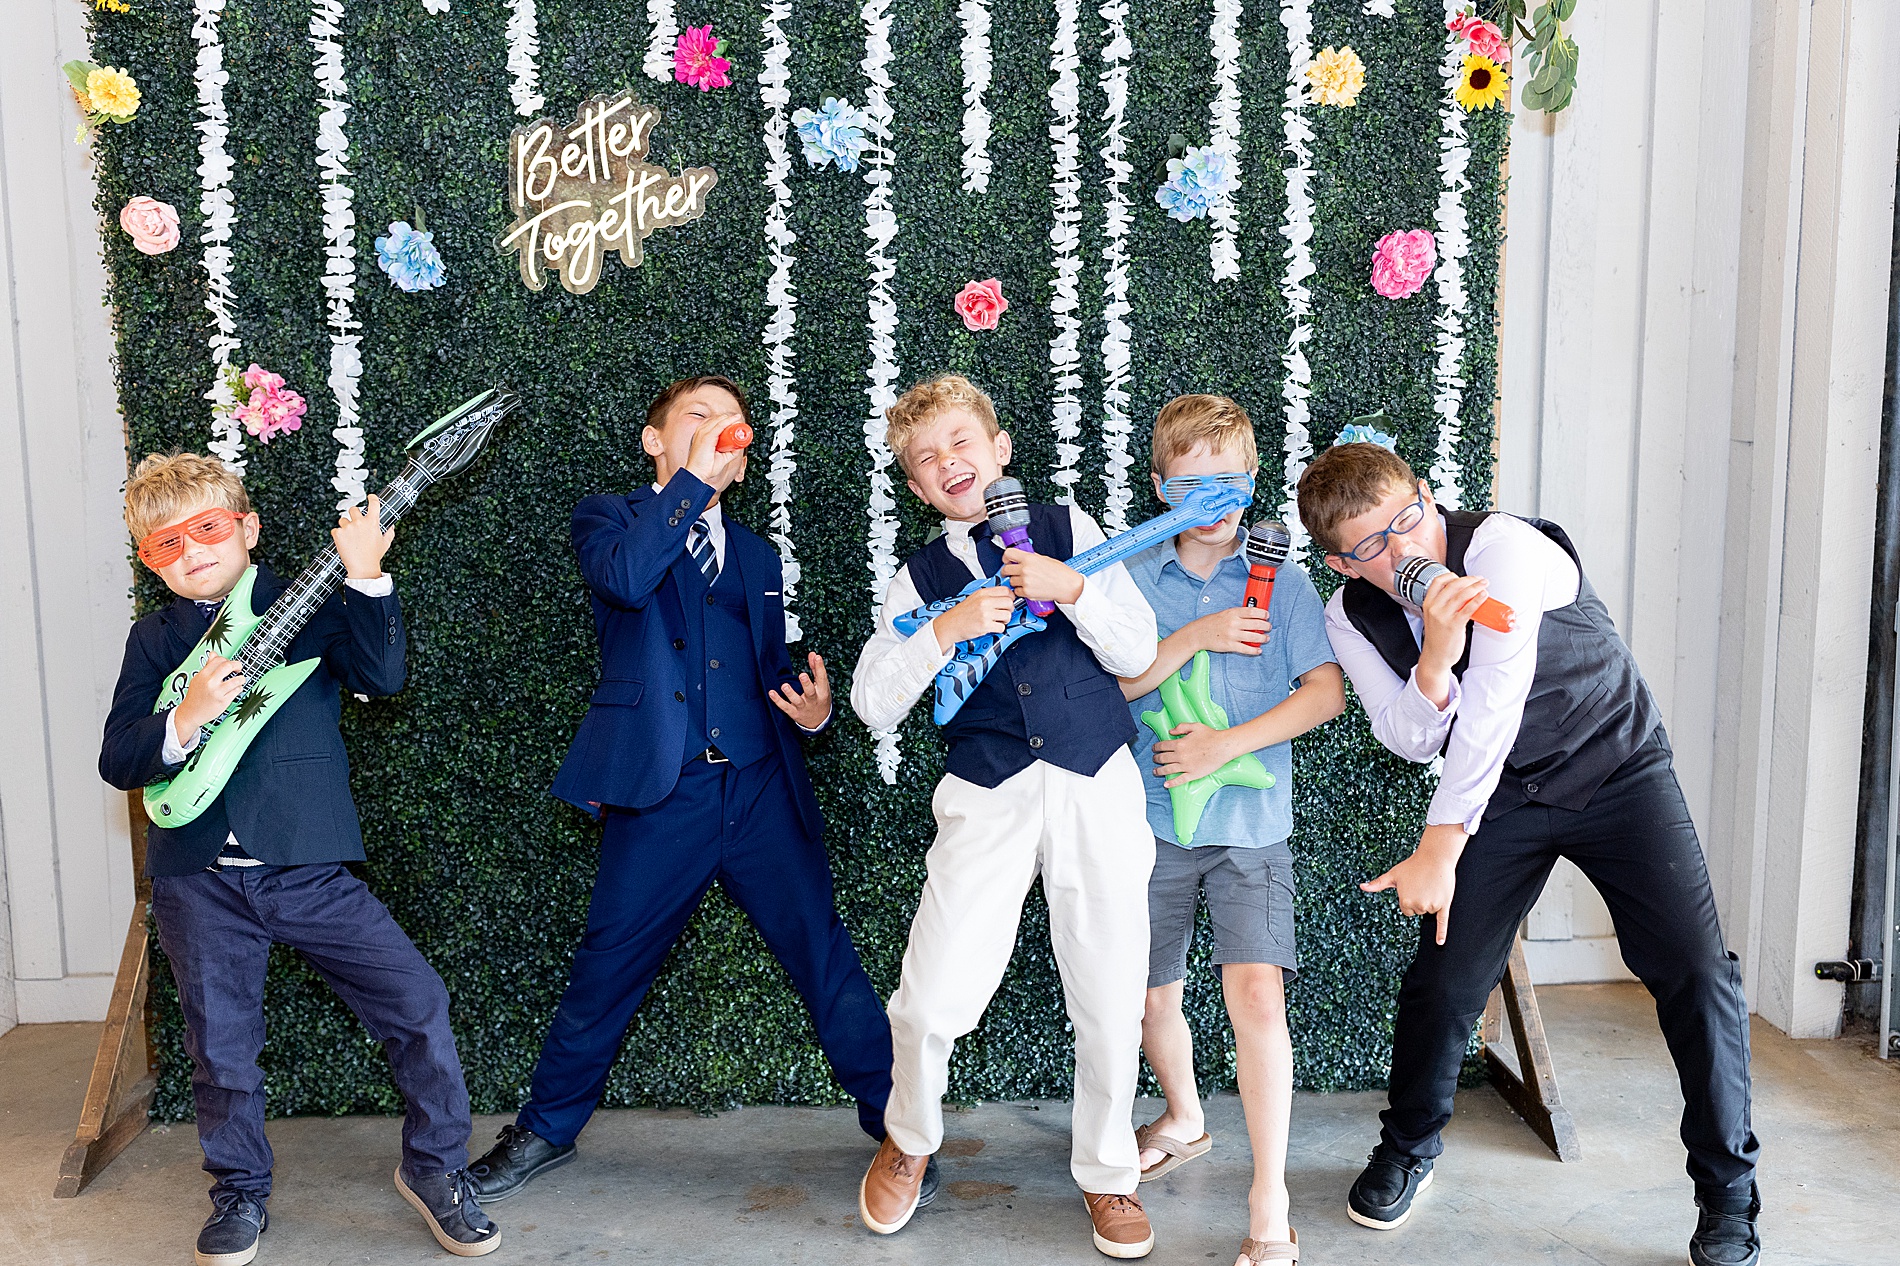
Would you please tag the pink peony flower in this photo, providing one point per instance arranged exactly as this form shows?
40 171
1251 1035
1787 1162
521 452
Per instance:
151 224
1402 261
696 60
981 303
272 410
1485 38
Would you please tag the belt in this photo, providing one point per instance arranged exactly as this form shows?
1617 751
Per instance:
712 756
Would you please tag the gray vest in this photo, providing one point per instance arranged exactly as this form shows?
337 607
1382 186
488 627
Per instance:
1589 708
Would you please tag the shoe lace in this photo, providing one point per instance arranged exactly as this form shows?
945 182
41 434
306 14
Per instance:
225 1204
513 1136
462 1195
1121 1204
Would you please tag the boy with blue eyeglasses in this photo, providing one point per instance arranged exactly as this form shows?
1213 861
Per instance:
1273 674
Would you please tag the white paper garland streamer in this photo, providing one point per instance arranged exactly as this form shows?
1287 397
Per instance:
880 226
1297 228
1065 235
1454 243
524 46
1116 217
662 39
219 209
339 232
781 385
1224 134
1383 8
975 53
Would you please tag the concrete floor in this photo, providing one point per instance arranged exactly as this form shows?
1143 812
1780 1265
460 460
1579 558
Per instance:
779 1184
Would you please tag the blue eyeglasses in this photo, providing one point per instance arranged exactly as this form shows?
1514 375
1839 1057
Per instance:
1402 522
1174 491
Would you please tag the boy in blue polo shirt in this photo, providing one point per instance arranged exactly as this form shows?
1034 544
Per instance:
1238 853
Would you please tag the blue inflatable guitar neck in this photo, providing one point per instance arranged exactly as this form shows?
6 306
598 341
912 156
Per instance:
959 678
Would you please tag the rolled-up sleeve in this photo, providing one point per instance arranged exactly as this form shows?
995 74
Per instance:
1403 719
894 671
1111 617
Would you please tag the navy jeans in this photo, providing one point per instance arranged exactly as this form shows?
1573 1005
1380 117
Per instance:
1636 843
216 928
739 826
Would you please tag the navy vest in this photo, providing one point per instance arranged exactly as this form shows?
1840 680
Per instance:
1048 698
1589 708
727 706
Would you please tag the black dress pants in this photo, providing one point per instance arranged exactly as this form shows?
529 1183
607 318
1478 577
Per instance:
1636 843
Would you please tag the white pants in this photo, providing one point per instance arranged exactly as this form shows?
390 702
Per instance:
1089 839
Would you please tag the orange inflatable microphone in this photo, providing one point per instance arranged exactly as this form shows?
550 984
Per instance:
1415 575
734 438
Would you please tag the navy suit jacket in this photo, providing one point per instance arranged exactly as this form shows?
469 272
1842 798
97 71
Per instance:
633 556
288 801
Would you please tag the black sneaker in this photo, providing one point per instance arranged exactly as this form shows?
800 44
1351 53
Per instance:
230 1234
448 1204
518 1155
1382 1197
927 1190
1725 1232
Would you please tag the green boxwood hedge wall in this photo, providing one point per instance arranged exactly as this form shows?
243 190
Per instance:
491 876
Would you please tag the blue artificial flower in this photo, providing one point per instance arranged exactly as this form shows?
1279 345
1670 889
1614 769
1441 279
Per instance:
409 257
1360 434
834 134
1195 182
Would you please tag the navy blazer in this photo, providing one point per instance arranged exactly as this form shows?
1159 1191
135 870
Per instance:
288 801
632 553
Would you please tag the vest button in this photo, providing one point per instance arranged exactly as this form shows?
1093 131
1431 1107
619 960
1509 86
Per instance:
679 643
709 600
679 696
713 663
1035 740
1023 688
1531 787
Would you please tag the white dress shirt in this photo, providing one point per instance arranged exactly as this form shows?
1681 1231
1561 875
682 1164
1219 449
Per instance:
1531 574
1111 617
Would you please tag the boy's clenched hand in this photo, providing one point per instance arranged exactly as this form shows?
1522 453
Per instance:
361 540
1235 630
1042 578
1196 751
711 467
209 694
985 611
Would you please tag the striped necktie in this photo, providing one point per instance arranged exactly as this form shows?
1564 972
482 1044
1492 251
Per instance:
699 545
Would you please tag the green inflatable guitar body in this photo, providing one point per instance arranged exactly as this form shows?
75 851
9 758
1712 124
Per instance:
257 641
1194 701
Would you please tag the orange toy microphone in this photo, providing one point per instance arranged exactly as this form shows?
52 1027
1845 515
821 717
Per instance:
1415 575
734 438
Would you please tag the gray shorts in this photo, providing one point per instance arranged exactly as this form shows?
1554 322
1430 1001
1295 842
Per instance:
1249 902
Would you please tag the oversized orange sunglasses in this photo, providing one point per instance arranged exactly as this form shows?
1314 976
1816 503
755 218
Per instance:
164 546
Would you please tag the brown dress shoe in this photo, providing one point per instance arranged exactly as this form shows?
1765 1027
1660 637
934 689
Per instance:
1121 1227
888 1195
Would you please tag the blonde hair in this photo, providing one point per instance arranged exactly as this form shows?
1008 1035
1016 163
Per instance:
166 486
916 408
1186 422
1344 482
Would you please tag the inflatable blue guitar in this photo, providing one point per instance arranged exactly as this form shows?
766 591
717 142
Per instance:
258 641
957 680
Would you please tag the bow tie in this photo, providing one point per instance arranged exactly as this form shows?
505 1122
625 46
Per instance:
207 609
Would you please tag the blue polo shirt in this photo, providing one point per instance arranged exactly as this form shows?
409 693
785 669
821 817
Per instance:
1245 685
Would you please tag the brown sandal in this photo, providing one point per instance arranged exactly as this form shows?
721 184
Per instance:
1175 1153
1287 1250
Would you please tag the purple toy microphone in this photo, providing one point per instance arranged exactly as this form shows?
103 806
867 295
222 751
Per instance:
1008 508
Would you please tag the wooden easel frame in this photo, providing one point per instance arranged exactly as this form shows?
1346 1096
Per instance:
1531 1088
124 1075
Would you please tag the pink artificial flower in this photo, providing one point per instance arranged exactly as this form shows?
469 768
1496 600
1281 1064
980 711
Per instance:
272 410
696 60
151 224
1402 261
981 303
1485 38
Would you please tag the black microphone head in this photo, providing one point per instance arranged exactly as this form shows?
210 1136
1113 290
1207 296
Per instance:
1413 576
1006 504
1268 543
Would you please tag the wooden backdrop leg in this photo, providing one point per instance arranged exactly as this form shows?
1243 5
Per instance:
1532 1095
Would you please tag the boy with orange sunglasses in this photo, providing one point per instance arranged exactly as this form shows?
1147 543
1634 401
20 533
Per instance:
264 862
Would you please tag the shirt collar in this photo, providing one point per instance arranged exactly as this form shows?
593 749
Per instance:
1172 554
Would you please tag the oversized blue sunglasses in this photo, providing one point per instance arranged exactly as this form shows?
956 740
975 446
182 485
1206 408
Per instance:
1175 490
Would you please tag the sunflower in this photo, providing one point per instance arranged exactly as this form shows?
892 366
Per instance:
112 92
1482 85
1337 76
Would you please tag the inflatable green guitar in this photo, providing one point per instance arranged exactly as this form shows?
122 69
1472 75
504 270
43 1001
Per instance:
257 641
1193 701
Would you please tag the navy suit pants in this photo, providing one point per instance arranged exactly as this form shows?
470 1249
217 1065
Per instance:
739 826
216 928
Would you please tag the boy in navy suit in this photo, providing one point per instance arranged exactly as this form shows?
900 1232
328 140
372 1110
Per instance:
264 862
697 779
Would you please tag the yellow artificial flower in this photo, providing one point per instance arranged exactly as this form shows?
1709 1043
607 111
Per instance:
112 6
112 92
1337 76
1483 84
